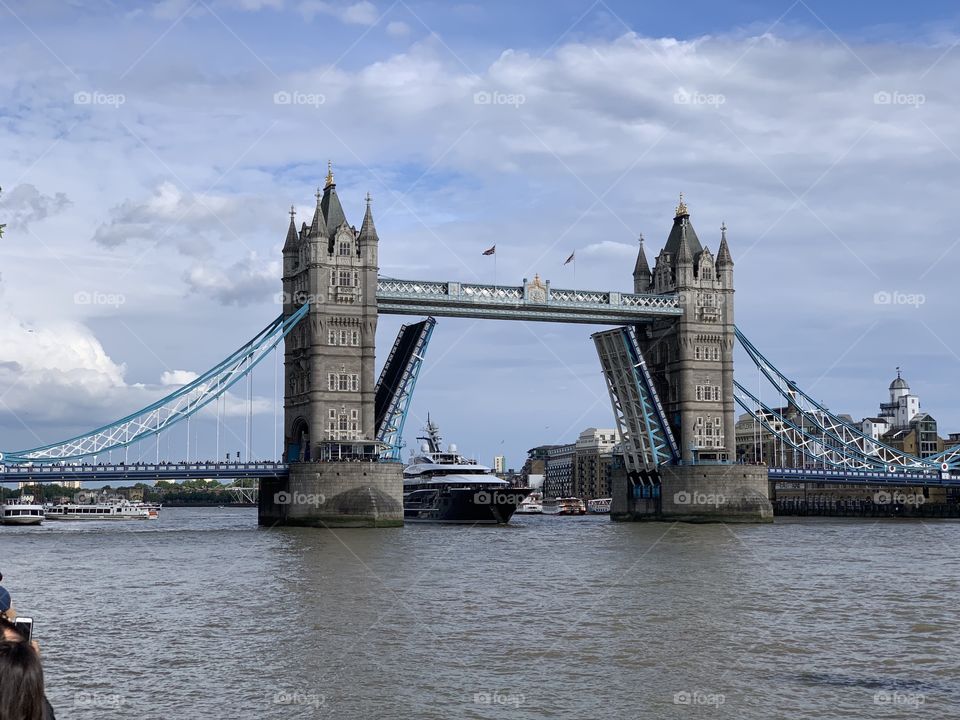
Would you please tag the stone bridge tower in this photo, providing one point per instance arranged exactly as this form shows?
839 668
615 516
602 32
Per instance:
691 358
336 478
329 357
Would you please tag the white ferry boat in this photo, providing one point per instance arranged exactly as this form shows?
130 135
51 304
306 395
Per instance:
21 511
532 504
564 506
106 510
445 487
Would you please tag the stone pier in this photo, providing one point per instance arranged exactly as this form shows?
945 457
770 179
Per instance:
334 494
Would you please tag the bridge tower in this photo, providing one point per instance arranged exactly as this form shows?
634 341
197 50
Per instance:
335 477
691 361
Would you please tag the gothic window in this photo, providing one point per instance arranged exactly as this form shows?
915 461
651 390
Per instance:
343 384
332 337
356 278
333 414
344 247
333 277
345 277
716 353
343 337
696 353
355 338
355 382
699 392
331 381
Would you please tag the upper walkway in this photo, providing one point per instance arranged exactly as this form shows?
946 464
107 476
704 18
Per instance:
140 472
534 300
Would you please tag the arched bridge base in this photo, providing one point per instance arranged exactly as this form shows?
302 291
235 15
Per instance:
697 493
334 494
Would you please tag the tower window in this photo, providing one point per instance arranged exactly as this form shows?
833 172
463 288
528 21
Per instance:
345 247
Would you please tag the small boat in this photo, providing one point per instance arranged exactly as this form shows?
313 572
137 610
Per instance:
564 506
442 486
599 506
532 504
114 509
21 511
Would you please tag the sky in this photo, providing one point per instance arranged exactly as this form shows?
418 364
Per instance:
152 151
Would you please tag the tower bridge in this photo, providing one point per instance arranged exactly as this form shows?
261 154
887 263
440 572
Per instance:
668 363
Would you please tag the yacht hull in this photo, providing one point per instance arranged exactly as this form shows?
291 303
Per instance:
464 506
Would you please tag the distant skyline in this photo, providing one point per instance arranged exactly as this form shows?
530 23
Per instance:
153 151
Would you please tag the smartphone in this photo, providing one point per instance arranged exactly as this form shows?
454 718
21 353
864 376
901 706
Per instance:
25 626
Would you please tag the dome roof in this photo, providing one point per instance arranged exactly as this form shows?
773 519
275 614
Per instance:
899 384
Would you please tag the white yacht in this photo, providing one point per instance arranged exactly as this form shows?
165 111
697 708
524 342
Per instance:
21 511
532 504
445 487
113 509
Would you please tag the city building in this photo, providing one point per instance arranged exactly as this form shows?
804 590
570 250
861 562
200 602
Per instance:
535 464
902 425
592 463
558 472
499 464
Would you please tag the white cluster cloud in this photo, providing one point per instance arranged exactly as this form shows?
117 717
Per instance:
24 205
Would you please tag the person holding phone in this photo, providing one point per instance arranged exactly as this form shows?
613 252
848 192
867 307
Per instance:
22 694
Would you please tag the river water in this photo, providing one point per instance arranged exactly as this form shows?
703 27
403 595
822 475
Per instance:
203 614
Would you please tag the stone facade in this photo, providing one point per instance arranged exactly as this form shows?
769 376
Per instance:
329 357
691 358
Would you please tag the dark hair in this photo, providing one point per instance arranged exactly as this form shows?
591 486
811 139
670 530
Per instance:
21 682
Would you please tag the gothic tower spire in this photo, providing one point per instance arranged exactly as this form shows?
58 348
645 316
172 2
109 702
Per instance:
368 231
641 271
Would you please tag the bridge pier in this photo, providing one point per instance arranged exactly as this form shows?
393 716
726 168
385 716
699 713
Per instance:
334 494
726 492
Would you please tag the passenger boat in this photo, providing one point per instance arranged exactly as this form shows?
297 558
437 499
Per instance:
564 506
532 504
599 506
445 487
105 510
21 511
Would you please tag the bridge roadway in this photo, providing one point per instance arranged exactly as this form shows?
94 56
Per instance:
863 477
143 472
535 301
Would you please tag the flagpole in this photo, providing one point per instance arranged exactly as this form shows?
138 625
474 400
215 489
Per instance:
494 267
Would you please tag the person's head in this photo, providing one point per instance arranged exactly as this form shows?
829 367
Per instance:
21 682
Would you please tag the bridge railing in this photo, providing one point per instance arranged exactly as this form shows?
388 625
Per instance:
515 295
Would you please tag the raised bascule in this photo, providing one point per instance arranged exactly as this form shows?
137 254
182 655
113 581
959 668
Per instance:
668 363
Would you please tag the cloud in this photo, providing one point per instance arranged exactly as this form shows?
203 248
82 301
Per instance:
178 377
25 205
398 28
359 13
243 283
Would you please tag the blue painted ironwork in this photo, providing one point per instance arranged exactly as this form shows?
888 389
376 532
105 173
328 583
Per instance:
139 472
645 434
397 382
175 407
863 477
533 301
871 452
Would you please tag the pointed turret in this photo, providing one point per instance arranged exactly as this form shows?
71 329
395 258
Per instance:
332 210
291 243
318 227
641 271
682 219
723 254
368 231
